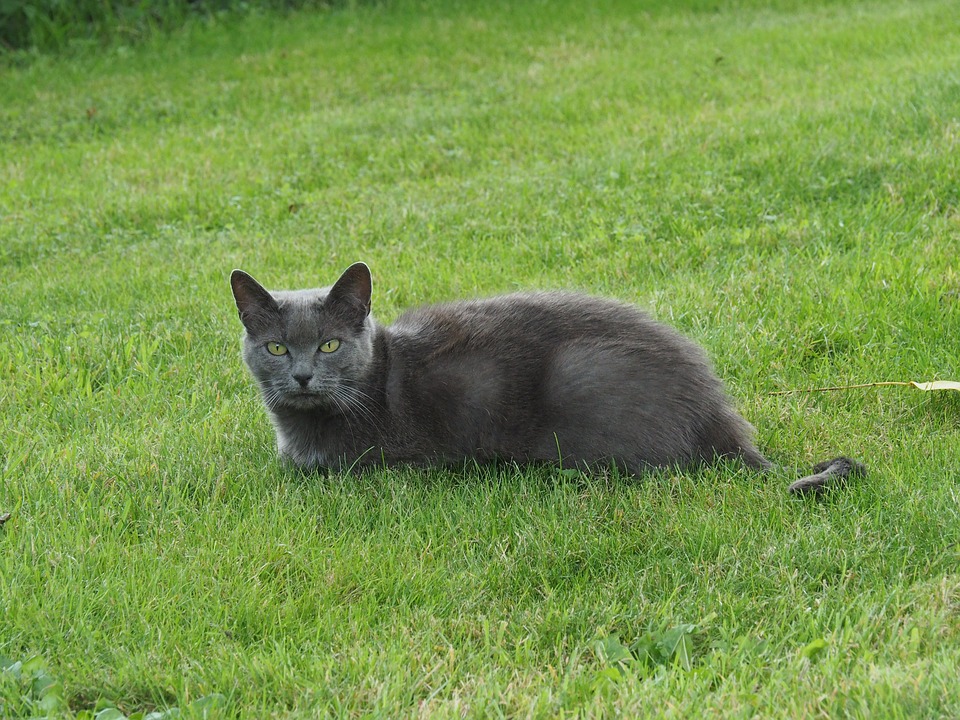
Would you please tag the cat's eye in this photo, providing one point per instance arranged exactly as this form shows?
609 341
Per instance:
275 348
330 346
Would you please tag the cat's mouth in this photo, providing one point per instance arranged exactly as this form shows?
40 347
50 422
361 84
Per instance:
304 398
299 398
306 394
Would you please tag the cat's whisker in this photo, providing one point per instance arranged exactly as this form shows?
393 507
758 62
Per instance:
349 391
343 405
361 404
364 396
271 397
349 405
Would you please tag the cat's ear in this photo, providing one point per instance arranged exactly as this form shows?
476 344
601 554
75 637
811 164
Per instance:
259 312
352 291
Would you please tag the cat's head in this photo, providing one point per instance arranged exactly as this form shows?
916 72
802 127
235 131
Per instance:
307 349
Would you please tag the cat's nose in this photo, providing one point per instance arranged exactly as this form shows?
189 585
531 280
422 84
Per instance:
303 378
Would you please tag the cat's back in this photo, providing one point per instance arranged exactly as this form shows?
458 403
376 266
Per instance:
529 319
514 375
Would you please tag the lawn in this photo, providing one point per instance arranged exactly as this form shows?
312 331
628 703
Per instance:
780 181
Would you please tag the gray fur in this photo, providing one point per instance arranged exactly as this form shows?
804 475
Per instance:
549 376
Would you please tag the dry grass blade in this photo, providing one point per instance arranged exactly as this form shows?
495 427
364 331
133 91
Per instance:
926 386
937 385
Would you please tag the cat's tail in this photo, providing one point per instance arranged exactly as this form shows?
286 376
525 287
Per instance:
827 475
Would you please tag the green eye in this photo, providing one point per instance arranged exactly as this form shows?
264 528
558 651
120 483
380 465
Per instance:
275 348
330 346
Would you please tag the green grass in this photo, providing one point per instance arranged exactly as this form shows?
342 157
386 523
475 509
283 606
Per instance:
31 26
779 182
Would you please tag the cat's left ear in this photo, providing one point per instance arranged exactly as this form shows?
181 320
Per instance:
352 291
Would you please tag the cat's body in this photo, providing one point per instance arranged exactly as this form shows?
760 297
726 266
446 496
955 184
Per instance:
529 377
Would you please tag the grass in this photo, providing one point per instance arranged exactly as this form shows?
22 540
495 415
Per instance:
31 26
779 181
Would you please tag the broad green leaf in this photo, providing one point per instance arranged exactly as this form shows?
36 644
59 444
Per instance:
610 650
110 714
42 682
52 701
207 703
34 664
647 650
606 675
683 653
674 636
168 714
711 616
814 649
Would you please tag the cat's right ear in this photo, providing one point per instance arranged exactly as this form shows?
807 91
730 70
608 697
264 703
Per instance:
259 312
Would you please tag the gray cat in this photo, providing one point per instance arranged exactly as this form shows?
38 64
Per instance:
548 376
